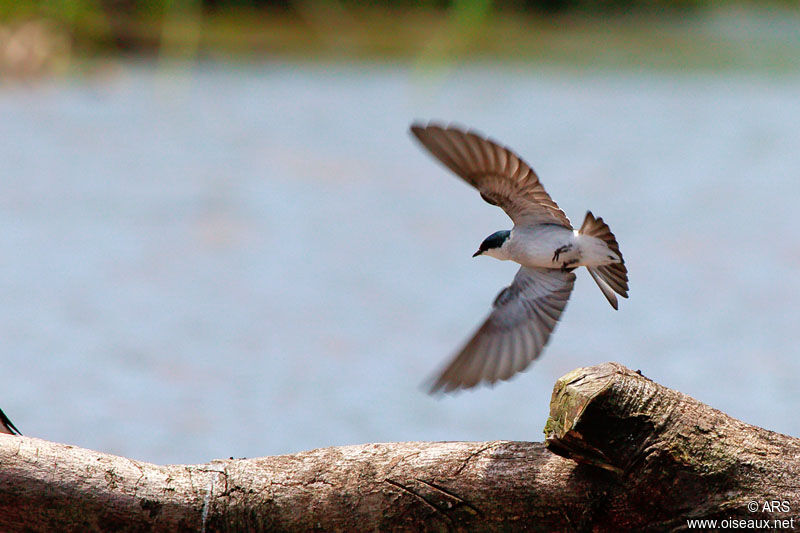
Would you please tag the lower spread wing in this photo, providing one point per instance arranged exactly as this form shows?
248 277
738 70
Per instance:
515 332
502 177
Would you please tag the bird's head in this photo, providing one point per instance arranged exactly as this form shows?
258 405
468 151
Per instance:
493 245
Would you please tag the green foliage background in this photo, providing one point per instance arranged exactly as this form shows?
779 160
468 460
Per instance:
660 33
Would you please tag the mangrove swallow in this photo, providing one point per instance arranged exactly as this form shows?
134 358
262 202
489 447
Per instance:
542 241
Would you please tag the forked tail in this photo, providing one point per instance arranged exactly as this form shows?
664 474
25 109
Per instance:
613 277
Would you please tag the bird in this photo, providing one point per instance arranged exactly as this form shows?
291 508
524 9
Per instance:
7 426
542 241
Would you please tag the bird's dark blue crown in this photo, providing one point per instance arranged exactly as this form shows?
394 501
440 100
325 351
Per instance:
495 240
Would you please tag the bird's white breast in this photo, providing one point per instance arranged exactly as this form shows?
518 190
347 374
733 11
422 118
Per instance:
536 246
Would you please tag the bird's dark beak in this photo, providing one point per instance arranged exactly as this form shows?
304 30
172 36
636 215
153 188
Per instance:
476 254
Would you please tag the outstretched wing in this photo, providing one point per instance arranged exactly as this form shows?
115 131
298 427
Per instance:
502 178
515 333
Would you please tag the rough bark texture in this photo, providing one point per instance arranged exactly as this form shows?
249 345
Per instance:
410 486
637 456
672 457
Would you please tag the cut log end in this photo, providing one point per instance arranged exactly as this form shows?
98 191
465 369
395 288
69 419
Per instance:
673 454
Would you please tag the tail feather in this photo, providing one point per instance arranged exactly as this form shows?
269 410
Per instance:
608 292
613 277
616 279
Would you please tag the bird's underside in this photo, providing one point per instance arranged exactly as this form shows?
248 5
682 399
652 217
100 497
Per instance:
525 313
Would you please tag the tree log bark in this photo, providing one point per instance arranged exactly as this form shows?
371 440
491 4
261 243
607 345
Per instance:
672 457
629 455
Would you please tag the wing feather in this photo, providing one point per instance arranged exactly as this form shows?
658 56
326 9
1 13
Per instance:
505 367
501 177
524 315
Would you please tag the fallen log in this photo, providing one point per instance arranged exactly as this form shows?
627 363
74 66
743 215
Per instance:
629 455
673 458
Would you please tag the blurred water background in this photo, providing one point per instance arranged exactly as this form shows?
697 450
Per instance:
213 257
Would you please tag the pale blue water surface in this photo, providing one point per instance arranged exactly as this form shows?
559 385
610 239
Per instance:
253 260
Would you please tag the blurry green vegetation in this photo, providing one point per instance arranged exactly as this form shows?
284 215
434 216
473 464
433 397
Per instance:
660 33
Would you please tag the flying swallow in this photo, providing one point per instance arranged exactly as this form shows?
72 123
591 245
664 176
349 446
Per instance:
543 242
